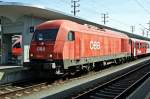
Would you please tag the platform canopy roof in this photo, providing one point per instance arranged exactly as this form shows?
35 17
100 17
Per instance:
47 13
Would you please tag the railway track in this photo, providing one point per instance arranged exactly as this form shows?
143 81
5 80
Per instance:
119 87
19 89
11 91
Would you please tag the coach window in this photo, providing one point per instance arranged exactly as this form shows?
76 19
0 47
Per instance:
70 36
138 45
147 45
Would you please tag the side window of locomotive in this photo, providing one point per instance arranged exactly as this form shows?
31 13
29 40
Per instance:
71 36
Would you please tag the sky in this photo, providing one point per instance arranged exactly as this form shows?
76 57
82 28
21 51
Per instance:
122 14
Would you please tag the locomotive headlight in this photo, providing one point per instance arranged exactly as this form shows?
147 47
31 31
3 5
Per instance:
31 54
50 55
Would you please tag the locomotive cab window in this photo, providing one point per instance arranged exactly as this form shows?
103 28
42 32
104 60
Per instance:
45 34
71 36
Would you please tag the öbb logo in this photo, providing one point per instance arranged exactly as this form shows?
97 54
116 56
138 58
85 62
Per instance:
94 45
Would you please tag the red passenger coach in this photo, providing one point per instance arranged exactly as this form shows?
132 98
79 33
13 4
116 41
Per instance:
62 45
139 47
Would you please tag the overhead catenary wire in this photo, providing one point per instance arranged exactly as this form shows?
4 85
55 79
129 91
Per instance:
140 5
96 11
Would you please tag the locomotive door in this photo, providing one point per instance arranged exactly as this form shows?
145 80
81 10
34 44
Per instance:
77 46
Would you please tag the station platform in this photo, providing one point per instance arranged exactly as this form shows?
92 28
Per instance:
10 74
9 67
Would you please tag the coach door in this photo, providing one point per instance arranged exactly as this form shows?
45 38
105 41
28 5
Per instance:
77 46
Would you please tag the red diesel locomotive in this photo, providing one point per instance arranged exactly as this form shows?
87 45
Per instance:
62 45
